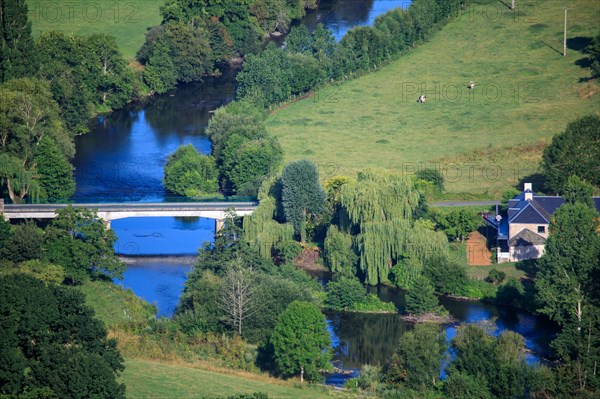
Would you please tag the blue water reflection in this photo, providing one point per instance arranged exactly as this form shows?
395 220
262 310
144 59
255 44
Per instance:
160 283
162 235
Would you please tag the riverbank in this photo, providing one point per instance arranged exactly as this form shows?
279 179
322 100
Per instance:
429 318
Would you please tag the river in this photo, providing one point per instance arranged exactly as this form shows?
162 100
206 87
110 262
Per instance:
122 159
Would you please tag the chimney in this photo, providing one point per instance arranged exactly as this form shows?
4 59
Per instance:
528 192
527 187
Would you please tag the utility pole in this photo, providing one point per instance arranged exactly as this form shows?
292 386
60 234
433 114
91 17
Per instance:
512 7
565 35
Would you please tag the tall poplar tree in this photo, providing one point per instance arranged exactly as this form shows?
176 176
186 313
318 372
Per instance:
302 194
17 56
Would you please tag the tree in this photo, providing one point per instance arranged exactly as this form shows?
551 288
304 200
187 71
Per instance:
6 231
447 276
432 175
198 309
345 293
302 194
52 344
421 298
39 269
113 83
502 373
457 224
17 55
339 252
577 190
301 341
566 284
160 73
417 362
78 240
495 276
191 174
594 55
87 74
576 151
55 171
25 243
276 292
238 299
27 115
378 210
248 162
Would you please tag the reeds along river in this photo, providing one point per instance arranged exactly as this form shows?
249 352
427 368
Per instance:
122 159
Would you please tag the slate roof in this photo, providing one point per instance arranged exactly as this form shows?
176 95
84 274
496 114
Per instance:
538 210
525 238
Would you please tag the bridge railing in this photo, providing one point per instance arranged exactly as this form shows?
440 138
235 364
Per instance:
137 200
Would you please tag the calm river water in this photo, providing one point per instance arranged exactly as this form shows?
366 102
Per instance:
122 159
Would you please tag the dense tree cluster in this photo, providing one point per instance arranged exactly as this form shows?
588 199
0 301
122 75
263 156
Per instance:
244 153
51 345
49 89
35 146
87 74
197 37
75 245
191 174
568 282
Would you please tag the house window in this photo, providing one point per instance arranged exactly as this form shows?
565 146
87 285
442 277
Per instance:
541 229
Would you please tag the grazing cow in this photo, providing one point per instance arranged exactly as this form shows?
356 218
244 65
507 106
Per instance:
422 99
471 85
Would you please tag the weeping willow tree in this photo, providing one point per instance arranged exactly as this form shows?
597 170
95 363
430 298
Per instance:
380 206
339 252
19 181
264 232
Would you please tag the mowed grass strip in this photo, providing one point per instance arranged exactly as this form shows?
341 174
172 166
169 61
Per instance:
525 92
126 20
146 379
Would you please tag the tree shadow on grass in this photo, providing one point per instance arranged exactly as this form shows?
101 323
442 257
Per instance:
579 43
537 179
528 266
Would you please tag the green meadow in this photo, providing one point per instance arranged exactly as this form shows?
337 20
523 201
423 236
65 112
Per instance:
127 20
146 379
485 139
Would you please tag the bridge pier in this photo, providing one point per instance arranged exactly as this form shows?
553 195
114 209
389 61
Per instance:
219 224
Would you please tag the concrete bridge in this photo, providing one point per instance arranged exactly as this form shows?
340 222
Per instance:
109 212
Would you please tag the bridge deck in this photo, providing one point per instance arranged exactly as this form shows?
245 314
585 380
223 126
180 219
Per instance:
213 210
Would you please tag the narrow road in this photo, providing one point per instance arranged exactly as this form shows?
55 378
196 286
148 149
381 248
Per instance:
464 203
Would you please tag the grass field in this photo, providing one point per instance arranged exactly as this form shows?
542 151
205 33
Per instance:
486 139
481 272
114 305
127 20
145 379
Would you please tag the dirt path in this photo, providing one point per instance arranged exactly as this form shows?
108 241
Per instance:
477 252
